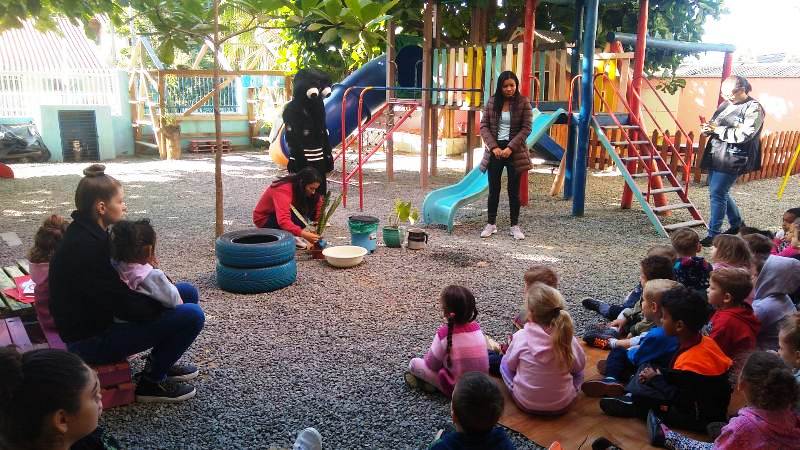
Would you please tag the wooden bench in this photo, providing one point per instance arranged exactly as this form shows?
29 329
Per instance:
116 386
10 306
198 146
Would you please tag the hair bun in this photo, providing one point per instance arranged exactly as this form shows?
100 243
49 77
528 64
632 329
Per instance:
95 170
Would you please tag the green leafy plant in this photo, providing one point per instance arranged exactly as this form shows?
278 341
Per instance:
403 212
327 211
170 123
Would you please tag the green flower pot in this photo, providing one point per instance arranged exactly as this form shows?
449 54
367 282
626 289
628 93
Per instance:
392 237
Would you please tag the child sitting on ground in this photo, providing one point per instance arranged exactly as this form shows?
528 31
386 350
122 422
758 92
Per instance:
133 247
769 422
782 238
733 325
792 250
459 346
630 322
537 272
691 270
730 251
611 312
654 347
778 278
543 366
44 247
694 390
789 345
476 407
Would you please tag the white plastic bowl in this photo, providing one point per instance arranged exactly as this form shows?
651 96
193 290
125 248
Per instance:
344 255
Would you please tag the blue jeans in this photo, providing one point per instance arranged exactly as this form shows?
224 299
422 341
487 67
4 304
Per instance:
722 204
168 337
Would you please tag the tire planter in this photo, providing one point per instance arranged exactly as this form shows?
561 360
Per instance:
255 248
256 280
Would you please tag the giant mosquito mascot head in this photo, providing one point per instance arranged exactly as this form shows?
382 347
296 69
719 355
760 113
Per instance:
304 117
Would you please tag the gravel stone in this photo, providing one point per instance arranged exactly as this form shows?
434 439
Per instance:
330 350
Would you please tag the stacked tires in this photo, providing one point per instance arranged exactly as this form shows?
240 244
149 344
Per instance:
256 260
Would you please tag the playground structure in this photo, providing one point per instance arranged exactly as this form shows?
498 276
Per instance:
600 92
249 99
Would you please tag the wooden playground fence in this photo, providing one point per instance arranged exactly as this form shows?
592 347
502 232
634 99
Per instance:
776 152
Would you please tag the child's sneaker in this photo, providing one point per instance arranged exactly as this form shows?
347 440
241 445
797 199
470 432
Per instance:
415 383
308 439
619 406
598 342
489 230
605 387
166 391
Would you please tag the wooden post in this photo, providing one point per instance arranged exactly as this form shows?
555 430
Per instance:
434 112
427 36
134 106
527 79
390 82
251 114
162 109
219 224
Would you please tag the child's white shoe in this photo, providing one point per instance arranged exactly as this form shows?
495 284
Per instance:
516 232
308 439
489 230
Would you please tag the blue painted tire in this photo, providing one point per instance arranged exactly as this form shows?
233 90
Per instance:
256 281
255 248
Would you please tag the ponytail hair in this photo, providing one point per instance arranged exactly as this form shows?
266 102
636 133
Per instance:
459 308
770 383
35 385
547 308
47 239
95 186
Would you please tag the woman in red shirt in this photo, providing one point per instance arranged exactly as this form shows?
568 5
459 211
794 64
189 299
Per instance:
299 189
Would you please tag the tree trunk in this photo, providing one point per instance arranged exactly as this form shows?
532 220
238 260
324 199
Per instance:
219 225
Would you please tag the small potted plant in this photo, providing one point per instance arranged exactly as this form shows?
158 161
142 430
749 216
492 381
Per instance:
402 212
171 128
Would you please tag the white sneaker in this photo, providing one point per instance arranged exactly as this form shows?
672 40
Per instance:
308 439
488 230
516 232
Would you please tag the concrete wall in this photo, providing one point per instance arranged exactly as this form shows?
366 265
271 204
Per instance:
780 98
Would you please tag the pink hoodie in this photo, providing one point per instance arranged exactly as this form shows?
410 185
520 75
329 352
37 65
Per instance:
759 429
536 381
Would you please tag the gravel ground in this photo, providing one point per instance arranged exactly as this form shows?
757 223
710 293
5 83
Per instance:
330 350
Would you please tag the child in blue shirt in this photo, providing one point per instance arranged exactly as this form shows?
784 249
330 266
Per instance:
476 407
691 270
654 347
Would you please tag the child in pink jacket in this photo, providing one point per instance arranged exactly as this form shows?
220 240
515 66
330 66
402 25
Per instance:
769 422
459 346
543 366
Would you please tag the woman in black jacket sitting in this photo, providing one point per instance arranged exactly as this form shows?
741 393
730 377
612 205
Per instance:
733 149
86 294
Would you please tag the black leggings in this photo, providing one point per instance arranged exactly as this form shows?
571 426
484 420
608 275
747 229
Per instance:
495 170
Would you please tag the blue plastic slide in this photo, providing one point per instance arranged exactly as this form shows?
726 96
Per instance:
440 206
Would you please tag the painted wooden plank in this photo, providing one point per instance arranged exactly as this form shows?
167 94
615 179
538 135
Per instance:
519 70
442 75
487 75
552 92
451 75
13 271
460 74
498 64
25 265
435 81
543 78
624 76
477 96
5 283
16 329
508 61
469 83
563 80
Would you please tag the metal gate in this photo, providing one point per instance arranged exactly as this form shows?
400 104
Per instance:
79 135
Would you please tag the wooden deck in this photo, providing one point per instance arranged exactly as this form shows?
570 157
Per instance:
585 422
